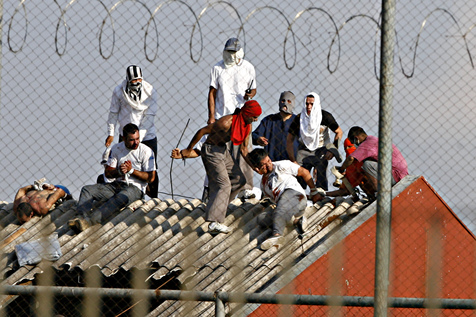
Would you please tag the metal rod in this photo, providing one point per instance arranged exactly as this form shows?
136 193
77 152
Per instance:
384 197
172 163
236 297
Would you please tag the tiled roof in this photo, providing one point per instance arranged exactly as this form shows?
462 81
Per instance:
167 236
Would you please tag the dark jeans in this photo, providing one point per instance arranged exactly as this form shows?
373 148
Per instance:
114 196
313 159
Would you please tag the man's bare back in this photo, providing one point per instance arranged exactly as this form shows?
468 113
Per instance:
40 201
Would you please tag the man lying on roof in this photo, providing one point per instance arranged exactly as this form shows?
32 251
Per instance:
279 182
38 199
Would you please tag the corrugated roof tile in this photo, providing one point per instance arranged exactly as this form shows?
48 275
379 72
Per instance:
168 236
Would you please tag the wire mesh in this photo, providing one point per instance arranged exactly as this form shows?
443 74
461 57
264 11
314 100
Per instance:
61 61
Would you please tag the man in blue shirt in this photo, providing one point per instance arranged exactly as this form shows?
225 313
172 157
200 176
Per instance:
273 129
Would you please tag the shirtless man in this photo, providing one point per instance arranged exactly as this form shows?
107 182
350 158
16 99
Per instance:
224 179
30 202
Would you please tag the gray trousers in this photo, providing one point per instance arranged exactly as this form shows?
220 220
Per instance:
289 204
225 179
114 196
371 168
245 167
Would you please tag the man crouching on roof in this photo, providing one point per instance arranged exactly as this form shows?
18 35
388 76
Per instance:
224 181
38 199
279 182
132 166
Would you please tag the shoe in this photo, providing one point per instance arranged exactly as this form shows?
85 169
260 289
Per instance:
302 224
79 224
38 184
275 241
246 194
216 227
205 195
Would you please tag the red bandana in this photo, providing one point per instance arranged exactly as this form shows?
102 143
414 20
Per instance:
349 147
239 129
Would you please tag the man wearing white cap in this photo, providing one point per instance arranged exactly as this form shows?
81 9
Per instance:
232 83
135 101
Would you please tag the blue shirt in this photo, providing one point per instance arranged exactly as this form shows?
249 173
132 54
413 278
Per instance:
275 130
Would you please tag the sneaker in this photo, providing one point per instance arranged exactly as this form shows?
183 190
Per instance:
246 194
205 195
302 224
38 184
271 242
79 224
216 227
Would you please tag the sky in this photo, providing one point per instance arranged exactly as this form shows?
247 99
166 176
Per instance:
61 61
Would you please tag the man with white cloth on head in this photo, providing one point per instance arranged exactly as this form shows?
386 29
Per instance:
311 127
232 83
135 101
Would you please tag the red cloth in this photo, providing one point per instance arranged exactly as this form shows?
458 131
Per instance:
354 172
349 147
239 128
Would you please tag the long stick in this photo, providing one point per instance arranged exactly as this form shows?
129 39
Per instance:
172 163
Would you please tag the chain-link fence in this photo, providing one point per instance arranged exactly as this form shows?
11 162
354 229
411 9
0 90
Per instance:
62 59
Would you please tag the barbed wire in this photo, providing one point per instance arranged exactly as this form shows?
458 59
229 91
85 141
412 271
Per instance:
152 26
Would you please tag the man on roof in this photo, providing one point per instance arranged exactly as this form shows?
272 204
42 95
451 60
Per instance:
367 153
273 129
132 166
38 199
279 182
311 127
135 101
232 83
225 179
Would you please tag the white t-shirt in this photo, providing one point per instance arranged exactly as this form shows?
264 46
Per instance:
282 177
142 159
231 84
125 110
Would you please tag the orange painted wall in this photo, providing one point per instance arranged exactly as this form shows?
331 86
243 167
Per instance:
352 262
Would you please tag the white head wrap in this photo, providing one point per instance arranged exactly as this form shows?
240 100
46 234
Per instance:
231 58
311 124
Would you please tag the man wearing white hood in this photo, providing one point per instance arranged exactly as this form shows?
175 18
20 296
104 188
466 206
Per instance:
232 83
315 149
135 101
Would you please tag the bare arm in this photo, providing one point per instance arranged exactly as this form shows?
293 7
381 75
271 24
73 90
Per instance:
177 154
250 95
212 94
21 193
200 133
244 152
304 173
348 161
45 206
290 147
339 133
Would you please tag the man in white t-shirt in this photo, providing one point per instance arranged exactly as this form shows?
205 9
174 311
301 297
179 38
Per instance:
132 166
135 101
279 182
232 83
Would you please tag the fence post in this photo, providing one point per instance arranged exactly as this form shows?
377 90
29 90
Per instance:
384 199
219 306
